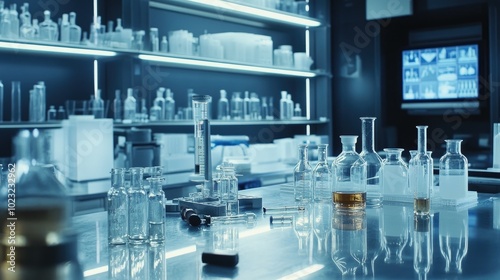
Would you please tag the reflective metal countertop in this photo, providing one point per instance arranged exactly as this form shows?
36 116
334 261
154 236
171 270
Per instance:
378 243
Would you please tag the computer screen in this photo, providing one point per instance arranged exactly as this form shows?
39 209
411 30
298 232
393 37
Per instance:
445 73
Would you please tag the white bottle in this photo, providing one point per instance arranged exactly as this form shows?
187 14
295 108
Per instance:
164 44
160 102
289 106
65 29
169 105
130 106
283 106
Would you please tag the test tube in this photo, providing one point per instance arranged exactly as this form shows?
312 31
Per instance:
269 210
248 217
202 141
280 219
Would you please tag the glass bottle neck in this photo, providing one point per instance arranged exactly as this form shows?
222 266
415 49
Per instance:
348 148
368 134
322 153
453 146
136 179
303 155
117 178
422 139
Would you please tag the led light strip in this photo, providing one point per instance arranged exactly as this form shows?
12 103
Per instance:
257 12
54 49
224 66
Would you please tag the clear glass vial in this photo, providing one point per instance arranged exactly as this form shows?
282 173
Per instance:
349 176
420 172
138 207
322 176
373 161
117 107
302 176
156 207
229 189
394 173
223 106
453 171
117 204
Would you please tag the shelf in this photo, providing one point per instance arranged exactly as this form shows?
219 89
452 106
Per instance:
30 125
54 48
222 123
236 12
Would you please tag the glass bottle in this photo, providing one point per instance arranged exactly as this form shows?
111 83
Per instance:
52 113
283 106
155 113
36 29
130 106
420 173
246 106
61 113
229 189
14 22
5 24
188 111
223 106
264 109
496 145
138 207
153 39
394 174
26 31
1 102
164 44
422 245
373 161
97 105
297 112
254 106
302 176
144 111
117 107
270 109
75 31
453 238
289 106
16 102
160 102
48 28
349 176
169 105
322 184
117 205
453 172
65 29
236 106
156 206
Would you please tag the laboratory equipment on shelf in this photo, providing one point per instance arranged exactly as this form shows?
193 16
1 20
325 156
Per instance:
164 44
453 172
188 111
130 107
61 113
169 105
15 99
236 106
138 207
49 31
156 207
394 175
422 245
373 161
349 176
254 106
420 173
65 28
153 39
14 22
302 176
496 145
52 113
37 104
1 101
321 176
223 106
75 31
264 109
284 107
117 206
246 106
118 107
96 105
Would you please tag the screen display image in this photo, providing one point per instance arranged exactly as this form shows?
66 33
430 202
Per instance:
448 73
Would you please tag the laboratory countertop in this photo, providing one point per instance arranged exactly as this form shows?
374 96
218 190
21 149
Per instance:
377 243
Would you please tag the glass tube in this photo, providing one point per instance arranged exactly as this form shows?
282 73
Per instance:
203 164
420 174
16 102
1 102
373 160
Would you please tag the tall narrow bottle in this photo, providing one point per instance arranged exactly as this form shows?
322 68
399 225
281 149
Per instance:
420 175
130 106
302 176
289 106
160 102
138 208
117 204
65 29
283 106
15 109
169 105
156 204
236 106
223 106
264 109
322 184
97 105
349 176
75 31
453 172
373 161
14 22
254 106
246 106
48 28
1 102
117 107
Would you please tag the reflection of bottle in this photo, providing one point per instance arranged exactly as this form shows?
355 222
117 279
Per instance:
302 176
302 227
138 259
118 262
322 222
453 238
422 247
157 262
395 228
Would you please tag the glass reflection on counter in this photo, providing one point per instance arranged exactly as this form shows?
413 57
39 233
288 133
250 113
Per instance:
118 262
303 228
422 246
349 241
137 261
138 258
322 223
374 236
157 262
496 212
395 228
453 238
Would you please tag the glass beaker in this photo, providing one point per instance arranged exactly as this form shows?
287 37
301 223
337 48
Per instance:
373 161
117 205
302 176
420 174
349 176
16 102
229 189
453 172
322 176
394 173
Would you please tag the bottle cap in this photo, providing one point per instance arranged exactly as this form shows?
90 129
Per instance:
348 139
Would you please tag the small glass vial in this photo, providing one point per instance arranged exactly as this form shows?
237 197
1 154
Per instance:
373 161
130 107
349 176
156 206
302 176
453 172
229 189
169 105
297 112
420 175
223 106
164 44
160 102
322 184
117 107
61 113
394 173
117 204
138 208
52 113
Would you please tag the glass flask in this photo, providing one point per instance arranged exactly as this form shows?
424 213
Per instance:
422 245
373 161
303 228
322 176
395 232
496 145
169 105
236 106
394 174
65 29
97 105
322 223
302 176
453 238
75 31
130 106
349 176
48 28
118 264
420 173
117 107
223 106
117 205
160 102
138 207
15 111
349 242
229 189
156 206
453 172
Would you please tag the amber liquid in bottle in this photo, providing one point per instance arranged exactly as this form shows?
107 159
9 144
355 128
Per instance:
421 206
349 200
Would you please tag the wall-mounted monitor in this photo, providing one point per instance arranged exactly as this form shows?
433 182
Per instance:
445 77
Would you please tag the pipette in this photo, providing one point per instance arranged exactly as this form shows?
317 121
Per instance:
270 210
